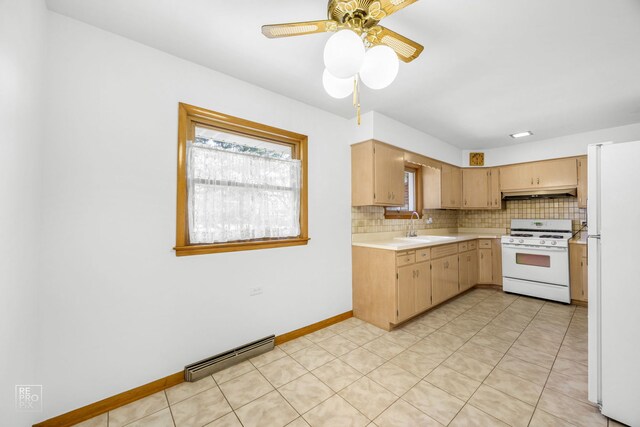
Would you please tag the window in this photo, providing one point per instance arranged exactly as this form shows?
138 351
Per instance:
412 195
241 185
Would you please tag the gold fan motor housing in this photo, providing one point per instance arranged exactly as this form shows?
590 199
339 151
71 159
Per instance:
358 15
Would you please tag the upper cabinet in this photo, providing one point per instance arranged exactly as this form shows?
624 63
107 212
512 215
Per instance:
481 189
582 182
546 174
442 186
377 174
451 193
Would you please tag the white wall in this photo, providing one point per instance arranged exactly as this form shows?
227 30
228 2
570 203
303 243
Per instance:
121 309
22 27
388 130
565 146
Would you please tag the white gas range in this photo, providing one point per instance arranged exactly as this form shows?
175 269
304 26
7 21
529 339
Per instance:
535 258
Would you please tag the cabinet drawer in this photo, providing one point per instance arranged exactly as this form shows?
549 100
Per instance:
445 250
405 258
463 247
423 254
484 244
471 245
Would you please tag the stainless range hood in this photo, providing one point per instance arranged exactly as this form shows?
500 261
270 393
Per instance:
540 194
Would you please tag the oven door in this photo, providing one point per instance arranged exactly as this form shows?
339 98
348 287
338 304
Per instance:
538 264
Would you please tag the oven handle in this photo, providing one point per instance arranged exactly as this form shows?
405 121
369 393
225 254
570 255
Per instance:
538 248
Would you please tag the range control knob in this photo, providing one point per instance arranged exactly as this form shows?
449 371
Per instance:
510 240
553 242
520 241
542 242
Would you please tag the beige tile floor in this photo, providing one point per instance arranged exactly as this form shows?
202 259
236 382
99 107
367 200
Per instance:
485 359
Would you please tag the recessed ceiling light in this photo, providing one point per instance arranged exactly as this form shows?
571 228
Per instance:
521 134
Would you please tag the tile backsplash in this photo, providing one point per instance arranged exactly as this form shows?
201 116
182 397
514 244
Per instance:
370 219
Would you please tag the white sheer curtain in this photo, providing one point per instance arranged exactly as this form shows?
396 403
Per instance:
238 196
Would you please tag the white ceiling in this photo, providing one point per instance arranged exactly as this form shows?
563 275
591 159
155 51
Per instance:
490 68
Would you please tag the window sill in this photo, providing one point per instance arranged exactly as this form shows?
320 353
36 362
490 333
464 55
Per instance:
238 246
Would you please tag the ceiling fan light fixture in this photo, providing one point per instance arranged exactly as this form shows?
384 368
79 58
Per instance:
380 67
344 54
336 87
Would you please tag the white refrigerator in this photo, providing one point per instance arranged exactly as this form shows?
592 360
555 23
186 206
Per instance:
613 209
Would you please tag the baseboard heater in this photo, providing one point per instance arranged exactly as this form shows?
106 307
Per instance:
208 366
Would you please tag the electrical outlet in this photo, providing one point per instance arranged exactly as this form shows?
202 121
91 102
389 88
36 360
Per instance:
255 291
429 220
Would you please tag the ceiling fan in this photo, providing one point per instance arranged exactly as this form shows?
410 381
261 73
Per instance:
360 16
360 49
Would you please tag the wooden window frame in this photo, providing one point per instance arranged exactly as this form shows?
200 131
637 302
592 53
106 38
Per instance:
392 214
188 117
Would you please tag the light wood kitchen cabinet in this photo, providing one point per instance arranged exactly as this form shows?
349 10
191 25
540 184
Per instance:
578 277
496 262
389 287
467 269
414 290
495 195
481 189
442 186
582 182
485 261
444 278
451 192
377 174
539 175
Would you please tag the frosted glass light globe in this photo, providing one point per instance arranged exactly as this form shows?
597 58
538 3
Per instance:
335 87
343 54
380 67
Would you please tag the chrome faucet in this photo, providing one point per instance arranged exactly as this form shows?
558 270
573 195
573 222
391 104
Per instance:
412 226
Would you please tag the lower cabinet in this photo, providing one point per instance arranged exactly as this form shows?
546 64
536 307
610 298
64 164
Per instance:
578 272
390 287
444 278
467 269
413 290
485 267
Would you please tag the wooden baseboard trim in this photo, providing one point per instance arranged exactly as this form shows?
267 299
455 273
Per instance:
110 403
580 303
280 339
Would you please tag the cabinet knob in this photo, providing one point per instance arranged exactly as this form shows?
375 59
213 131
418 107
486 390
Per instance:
531 181
496 202
538 180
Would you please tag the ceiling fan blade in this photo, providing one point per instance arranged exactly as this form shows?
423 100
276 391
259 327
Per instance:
299 28
392 6
407 49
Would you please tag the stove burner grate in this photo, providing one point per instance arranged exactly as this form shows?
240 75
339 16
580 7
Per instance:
551 236
521 235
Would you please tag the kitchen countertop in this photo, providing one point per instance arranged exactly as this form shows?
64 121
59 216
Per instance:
400 243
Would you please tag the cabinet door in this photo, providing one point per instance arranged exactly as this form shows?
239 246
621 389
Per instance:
444 278
484 266
451 186
495 197
423 286
516 177
575 272
406 292
475 188
582 182
556 173
473 268
463 271
388 175
496 262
